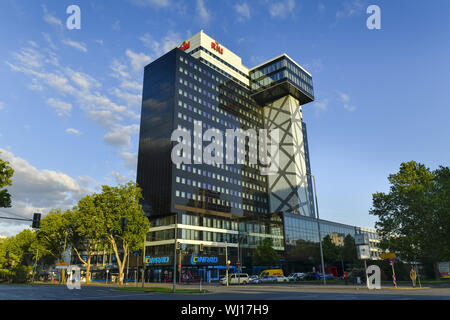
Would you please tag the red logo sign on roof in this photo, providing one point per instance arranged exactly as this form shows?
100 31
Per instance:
217 47
185 45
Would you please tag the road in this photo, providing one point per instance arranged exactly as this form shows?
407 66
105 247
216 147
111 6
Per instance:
217 292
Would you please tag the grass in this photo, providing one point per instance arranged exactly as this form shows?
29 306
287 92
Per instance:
161 290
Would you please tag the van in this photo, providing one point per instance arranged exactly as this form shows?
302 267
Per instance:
234 279
271 272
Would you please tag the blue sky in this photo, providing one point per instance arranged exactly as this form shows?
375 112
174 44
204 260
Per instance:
70 99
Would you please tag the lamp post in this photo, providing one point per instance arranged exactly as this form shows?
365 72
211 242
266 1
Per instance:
226 260
240 239
175 256
318 229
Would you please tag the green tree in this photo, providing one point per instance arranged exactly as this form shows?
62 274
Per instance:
17 256
6 172
413 218
52 236
330 250
265 254
85 230
305 252
348 251
113 204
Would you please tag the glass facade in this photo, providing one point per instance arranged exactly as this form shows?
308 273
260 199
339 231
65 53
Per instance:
304 228
278 71
209 206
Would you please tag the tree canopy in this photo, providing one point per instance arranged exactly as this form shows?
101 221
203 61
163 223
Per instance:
265 254
6 173
414 217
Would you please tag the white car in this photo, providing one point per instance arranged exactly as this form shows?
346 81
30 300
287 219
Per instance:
282 279
236 278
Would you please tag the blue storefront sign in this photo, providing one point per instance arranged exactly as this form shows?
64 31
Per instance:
156 260
195 259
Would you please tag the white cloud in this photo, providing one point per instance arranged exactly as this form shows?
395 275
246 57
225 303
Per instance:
322 104
243 10
131 85
350 108
345 98
203 13
120 179
281 9
130 160
74 44
62 108
120 70
120 136
321 7
114 109
2 105
35 190
30 58
132 100
49 40
137 60
152 3
73 131
49 18
167 43
350 9
116 25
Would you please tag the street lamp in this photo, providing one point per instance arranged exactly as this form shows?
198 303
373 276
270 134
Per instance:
318 229
240 239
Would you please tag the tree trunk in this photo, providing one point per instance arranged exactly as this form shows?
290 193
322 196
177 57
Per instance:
88 268
437 275
120 263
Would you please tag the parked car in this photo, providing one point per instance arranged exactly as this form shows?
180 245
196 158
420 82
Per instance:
296 276
253 279
310 276
328 276
236 278
267 279
282 279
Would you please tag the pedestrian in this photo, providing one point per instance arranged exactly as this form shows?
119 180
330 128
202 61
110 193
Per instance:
346 277
413 276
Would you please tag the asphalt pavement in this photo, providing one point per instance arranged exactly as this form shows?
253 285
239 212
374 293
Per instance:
218 292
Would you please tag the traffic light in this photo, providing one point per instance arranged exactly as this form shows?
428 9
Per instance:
123 224
201 246
179 268
228 264
178 245
36 221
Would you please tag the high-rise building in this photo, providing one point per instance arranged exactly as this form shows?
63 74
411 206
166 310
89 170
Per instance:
222 209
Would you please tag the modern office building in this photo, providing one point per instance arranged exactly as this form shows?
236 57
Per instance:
222 209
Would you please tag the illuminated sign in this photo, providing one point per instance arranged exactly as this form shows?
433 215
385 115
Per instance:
217 47
197 260
186 45
156 260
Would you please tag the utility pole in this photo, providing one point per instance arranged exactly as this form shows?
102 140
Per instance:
175 256
143 263
226 260
318 229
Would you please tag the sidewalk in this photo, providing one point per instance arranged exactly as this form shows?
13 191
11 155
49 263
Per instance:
218 287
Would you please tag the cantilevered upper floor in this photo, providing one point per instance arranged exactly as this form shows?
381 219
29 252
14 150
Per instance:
279 77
